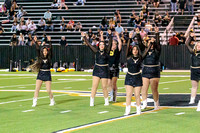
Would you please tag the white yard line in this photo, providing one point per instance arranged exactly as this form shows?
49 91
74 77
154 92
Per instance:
174 81
62 112
30 99
16 78
28 110
165 88
181 113
103 112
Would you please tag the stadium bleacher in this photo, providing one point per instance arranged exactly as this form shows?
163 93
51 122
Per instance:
89 15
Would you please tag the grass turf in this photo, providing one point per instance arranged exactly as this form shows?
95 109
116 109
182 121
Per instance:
48 119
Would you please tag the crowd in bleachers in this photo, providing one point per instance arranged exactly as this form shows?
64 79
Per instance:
25 29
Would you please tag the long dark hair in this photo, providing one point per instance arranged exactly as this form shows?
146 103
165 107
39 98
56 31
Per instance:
130 54
35 67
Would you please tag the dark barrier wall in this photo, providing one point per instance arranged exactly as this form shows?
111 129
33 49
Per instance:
172 57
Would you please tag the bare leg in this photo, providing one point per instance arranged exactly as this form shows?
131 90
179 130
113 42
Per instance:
154 87
37 88
104 84
145 87
114 86
129 93
194 91
95 84
137 91
48 87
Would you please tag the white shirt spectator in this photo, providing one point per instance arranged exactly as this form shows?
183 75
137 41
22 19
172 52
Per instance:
47 15
28 21
41 22
119 29
32 27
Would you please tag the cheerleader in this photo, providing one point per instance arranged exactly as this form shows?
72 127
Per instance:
151 71
195 69
133 80
42 66
114 67
101 67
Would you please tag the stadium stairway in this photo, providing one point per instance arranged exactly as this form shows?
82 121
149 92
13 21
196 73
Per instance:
89 15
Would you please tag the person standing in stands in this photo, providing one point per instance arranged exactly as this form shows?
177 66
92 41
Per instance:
117 17
104 24
174 40
114 67
182 6
190 5
101 67
173 5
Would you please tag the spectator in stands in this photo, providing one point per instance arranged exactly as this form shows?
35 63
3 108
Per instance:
28 21
47 15
22 20
173 40
145 11
174 5
21 40
148 27
80 1
181 39
193 37
14 4
190 5
70 25
29 40
137 22
112 24
117 17
49 24
142 33
182 6
104 24
2 9
63 41
98 35
54 4
61 3
139 2
198 20
78 27
142 19
14 25
21 13
90 35
32 27
166 19
8 3
11 13
119 29
14 40
62 24
1 29
125 36
44 39
157 18
22 28
41 24
156 3
132 19
146 40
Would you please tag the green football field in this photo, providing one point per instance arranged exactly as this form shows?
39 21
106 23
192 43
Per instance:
72 112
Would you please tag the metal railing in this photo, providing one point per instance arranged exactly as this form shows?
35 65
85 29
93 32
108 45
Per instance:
168 30
191 26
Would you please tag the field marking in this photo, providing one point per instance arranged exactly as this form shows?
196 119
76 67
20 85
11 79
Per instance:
67 87
72 80
174 81
165 88
17 78
181 113
62 112
22 100
101 122
28 110
103 112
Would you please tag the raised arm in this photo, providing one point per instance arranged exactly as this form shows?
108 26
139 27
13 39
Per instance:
37 46
50 46
109 42
146 50
141 45
158 47
119 41
128 45
187 43
88 43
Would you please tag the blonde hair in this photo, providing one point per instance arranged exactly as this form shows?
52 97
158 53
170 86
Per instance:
195 46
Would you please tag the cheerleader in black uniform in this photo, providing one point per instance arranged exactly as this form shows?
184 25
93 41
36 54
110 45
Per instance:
114 67
42 66
151 71
195 69
133 78
101 67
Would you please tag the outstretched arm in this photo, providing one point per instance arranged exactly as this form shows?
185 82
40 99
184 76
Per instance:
128 45
87 43
158 47
110 41
187 43
119 41
37 46
141 45
50 46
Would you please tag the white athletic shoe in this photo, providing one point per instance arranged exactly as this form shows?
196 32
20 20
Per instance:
106 101
111 95
198 106
52 102
156 105
34 102
91 101
144 106
192 100
128 110
138 109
